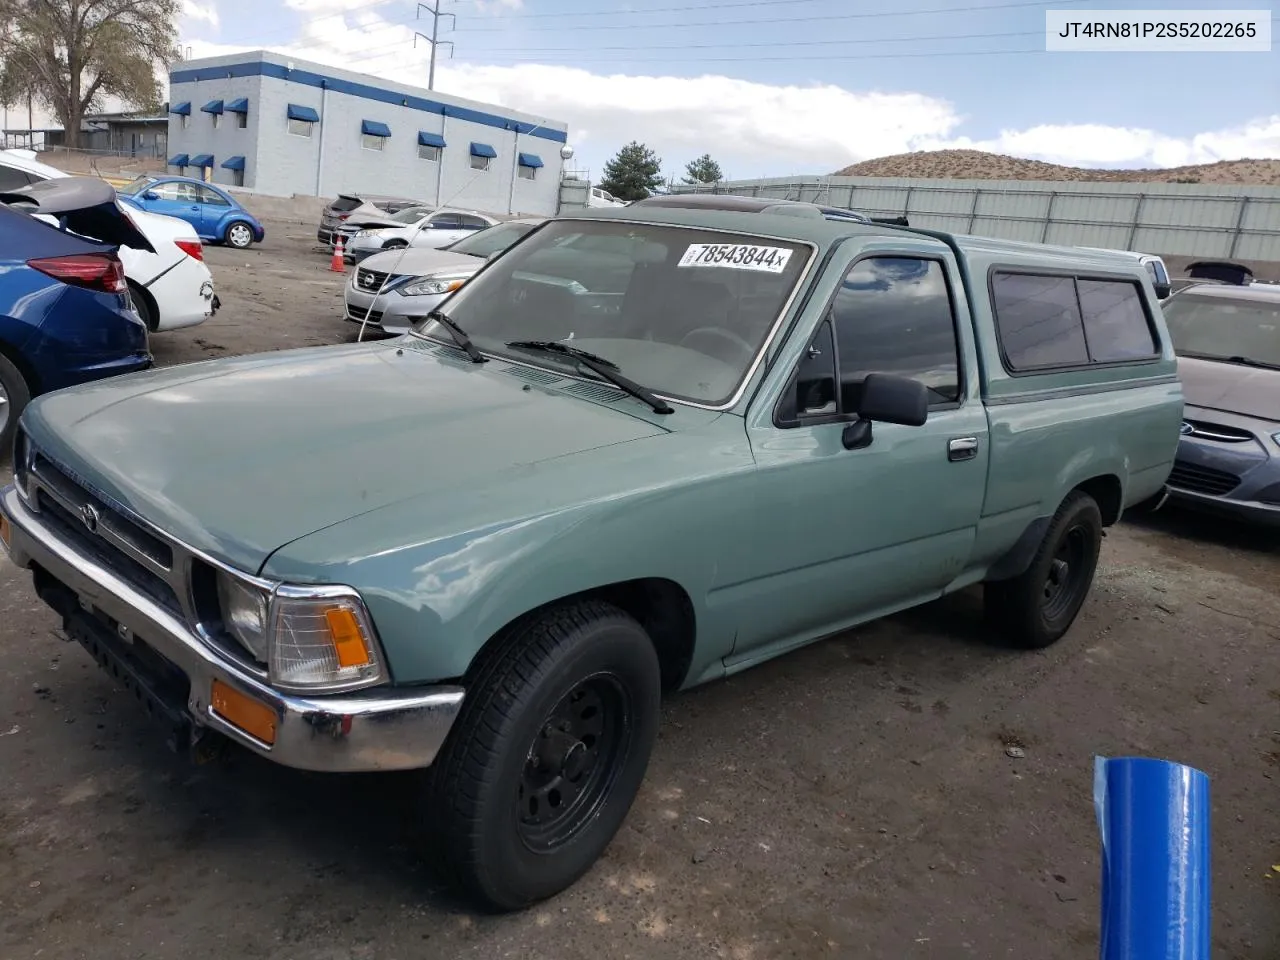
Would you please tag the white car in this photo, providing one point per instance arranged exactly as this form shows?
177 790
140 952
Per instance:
170 288
603 198
441 227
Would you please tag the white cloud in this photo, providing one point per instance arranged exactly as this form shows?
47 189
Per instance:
752 129
206 12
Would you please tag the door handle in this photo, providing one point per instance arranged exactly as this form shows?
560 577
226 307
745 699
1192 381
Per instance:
962 448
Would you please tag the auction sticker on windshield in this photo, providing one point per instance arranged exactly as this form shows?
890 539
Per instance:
737 256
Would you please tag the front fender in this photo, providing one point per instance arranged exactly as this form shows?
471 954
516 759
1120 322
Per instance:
438 600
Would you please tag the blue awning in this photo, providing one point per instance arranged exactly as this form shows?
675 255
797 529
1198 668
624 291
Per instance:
374 128
483 150
298 112
530 160
233 163
213 106
239 106
183 108
203 160
180 160
426 139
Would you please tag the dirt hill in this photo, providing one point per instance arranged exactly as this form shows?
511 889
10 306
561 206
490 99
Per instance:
977 165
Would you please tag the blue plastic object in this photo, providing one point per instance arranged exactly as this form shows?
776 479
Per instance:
1154 819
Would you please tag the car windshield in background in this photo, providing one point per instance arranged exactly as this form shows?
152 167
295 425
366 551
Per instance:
1225 328
490 240
411 215
135 187
683 312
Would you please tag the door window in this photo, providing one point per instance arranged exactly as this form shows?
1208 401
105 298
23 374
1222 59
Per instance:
891 315
445 221
472 223
176 190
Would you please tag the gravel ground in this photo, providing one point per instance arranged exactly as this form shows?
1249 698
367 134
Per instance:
853 799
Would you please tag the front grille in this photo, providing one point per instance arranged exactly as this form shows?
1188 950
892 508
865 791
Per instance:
1217 431
362 313
1197 479
373 280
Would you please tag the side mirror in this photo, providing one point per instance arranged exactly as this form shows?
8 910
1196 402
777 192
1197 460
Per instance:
1163 290
151 195
888 399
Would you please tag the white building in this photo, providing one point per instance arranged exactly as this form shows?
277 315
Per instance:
281 126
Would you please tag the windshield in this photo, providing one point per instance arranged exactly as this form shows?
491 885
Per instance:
411 214
684 312
1221 327
490 240
135 187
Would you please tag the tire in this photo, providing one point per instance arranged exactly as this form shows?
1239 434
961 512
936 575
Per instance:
566 702
142 303
15 394
238 235
1037 608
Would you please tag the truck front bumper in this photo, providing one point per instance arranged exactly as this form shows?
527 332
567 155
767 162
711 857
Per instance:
153 653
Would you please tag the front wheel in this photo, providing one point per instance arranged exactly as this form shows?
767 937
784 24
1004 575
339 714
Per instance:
239 235
546 759
1035 609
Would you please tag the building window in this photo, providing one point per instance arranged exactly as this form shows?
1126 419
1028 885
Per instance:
526 173
300 128
426 152
217 120
183 119
479 163
237 178
370 142
242 120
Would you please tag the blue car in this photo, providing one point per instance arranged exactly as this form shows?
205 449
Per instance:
216 215
66 317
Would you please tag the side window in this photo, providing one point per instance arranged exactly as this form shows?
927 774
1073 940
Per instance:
893 315
172 191
445 221
473 223
211 197
815 377
11 179
1038 321
1115 322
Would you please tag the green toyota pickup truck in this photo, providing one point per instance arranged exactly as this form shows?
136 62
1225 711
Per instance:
642 449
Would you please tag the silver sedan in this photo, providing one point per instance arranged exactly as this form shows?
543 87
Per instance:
394 291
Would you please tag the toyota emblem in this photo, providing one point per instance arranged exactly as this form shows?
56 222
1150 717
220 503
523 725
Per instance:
1186 429
89 517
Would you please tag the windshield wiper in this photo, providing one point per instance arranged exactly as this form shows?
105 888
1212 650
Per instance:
459 335
599 365
1243 361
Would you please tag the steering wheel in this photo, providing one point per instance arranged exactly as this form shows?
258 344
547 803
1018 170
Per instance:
723 334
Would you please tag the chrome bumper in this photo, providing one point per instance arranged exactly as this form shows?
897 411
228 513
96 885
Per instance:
374 729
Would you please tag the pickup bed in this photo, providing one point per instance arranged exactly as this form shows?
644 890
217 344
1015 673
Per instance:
645 448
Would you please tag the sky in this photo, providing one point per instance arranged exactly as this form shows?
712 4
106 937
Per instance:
784 87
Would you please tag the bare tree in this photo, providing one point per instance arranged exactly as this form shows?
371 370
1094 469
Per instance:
68 54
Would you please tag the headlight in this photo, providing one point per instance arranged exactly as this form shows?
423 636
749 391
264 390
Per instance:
322 637
361 233
432 286
21 462
1276 437
244 614
311 638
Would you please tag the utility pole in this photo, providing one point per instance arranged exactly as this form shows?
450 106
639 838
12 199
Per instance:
435 27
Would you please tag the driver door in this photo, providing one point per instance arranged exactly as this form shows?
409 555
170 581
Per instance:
844 535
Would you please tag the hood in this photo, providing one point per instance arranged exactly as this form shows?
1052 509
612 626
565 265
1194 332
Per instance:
373 221
421 261
238 457
1230 387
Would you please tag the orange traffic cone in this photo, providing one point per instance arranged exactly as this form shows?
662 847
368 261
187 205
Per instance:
336 264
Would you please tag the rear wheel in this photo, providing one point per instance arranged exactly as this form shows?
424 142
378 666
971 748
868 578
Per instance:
1035 609
15 394
239 235
142 303
546 759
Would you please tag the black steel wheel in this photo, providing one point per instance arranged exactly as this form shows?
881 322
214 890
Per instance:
1038 607
545 760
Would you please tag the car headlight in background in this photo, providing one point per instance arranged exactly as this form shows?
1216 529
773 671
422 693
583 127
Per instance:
362 233
1276 437
318 639
432 286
